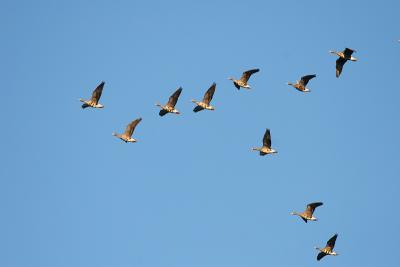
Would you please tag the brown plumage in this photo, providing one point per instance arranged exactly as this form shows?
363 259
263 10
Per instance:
94 100
301 85
205 104
127 135
266 148
307 215
328 249
242 82
344 56
170 106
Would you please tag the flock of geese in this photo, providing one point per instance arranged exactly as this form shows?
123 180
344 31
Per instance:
266 148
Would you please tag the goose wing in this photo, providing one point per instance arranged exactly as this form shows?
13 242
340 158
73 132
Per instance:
162 112
267 138
331 242
246 75
97 93
321 255
305 79
209 94
311 207
197 109
348 52
339 66
174 97
131 127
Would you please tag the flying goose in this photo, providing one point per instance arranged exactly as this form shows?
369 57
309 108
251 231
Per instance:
266 148
301 85
328 249
205 104
94 101
345 55
127 135
170 106
242 82
307 215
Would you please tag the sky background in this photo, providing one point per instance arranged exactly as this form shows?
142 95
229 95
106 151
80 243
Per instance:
191 193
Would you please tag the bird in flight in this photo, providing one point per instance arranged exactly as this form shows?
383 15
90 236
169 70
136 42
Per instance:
301 85
328 249
242 82
94 100
205 104
307 215
170 106
344 56
127 135
266 148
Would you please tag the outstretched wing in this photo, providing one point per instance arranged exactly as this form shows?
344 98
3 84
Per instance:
162 112
321 255
267 139
174 97
339 66
331 242
209 94
84 105
348 52
197 109
131 127
304 80
97 93
311 207
246 75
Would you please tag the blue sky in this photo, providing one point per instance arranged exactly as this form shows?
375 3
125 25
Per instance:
190 193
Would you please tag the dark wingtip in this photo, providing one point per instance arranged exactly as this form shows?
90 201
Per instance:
162 112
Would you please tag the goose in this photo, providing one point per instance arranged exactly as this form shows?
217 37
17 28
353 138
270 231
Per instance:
242 82
266 148
94 101
127 135
345 55
170 106
307 215
205 104
301 85
328 249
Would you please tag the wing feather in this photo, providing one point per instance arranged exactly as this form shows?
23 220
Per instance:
97 93
246 75
209 94
339 66
321 255
305 79
174 97
131 127
267 138
348 52
331 242
197 109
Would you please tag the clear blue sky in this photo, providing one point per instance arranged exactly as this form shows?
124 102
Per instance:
190 193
